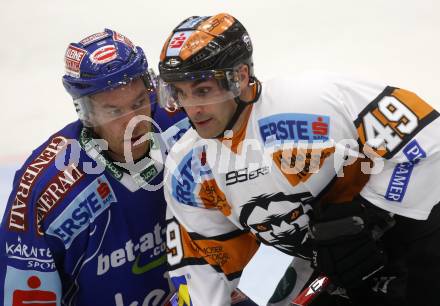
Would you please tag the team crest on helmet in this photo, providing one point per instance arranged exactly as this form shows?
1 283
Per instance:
104 54
247 41
173 62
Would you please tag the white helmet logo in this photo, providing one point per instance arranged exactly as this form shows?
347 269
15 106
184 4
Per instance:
104 54
247 41
173 62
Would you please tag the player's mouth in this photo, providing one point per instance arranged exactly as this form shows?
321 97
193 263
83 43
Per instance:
202 123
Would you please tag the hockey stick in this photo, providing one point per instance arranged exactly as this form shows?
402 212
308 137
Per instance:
312 291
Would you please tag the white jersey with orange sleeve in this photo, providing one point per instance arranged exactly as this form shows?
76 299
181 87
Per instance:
315 137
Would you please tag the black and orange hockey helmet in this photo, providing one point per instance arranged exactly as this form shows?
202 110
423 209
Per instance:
202 47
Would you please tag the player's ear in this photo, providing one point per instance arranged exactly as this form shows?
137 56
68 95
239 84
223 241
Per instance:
243 74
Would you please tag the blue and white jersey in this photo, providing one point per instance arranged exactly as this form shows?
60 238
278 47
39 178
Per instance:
81 230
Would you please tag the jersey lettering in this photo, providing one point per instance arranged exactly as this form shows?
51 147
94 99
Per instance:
394 117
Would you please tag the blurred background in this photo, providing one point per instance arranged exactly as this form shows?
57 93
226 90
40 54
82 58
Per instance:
395 41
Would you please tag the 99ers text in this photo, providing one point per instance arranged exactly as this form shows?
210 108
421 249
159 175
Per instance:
243 175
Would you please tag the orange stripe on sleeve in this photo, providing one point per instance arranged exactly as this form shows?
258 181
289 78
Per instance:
345 188
230 255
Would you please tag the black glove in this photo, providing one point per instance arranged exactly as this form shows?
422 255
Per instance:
345 246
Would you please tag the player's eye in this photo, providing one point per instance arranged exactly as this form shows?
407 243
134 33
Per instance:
114 112
139 103
202 91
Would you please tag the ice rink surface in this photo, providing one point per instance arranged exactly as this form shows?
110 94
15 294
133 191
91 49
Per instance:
395 41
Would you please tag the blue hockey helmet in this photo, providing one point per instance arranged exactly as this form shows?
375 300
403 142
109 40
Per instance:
101 62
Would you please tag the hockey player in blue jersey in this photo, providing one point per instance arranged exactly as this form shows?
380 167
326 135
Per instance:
84 224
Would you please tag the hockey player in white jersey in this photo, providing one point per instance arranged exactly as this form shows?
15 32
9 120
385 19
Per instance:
338 172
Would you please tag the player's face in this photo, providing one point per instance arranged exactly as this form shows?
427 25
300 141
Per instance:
209 106
112 111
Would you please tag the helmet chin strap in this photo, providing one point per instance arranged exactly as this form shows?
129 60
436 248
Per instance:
241 105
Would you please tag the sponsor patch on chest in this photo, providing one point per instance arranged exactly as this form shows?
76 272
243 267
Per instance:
294 127
83 210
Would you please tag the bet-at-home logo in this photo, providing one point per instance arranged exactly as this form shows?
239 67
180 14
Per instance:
151 245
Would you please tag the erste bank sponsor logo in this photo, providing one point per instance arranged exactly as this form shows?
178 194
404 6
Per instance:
27 287
28 256
183 183
192 169
177 42
84 209
146 254
294 127
402 172
54 193
17 220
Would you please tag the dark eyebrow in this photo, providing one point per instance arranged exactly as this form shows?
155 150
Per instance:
197 82
109 106
192 86
142 95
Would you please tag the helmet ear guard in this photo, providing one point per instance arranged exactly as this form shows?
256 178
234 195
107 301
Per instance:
150 80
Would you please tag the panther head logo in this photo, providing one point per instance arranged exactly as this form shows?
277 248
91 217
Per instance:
278 219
